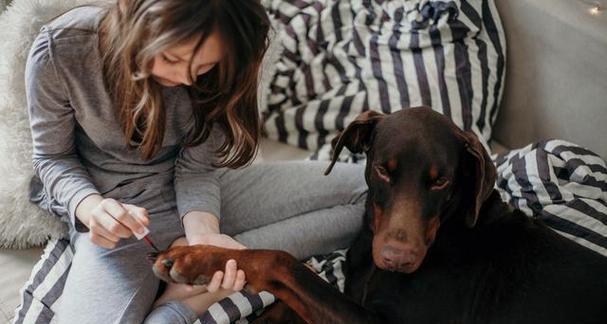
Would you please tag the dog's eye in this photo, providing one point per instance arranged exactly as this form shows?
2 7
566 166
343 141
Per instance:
439 183
382 172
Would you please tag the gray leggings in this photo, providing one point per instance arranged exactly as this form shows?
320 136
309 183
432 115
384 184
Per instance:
289 206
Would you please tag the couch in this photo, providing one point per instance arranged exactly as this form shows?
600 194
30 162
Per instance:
555 88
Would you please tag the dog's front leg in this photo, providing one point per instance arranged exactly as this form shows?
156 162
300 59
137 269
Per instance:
278 272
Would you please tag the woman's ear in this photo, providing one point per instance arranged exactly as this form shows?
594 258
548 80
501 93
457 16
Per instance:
356 137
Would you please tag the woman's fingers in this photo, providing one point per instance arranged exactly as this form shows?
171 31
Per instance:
234 279
213 286
123 216
112 225
97 228
101 241
140 214
230 275
240 281
112 221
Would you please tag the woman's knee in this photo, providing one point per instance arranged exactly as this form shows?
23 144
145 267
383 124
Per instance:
352 181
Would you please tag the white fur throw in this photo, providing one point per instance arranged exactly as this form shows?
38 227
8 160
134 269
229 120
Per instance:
23 224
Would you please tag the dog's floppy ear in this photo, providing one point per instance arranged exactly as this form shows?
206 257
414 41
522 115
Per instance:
477 165
356 137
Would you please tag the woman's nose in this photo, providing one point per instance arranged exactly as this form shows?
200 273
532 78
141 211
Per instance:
183 77
186 79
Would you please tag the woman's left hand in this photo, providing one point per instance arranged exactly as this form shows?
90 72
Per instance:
229 281
199 298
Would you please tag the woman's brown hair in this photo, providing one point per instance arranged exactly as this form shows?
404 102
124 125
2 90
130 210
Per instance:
134 31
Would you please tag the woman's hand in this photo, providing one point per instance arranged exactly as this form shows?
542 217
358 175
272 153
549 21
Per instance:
199 298
110 220
220 240
203 228
228 282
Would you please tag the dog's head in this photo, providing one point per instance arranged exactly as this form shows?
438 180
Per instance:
421 170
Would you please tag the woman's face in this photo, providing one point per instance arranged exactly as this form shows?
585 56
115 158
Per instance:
170 67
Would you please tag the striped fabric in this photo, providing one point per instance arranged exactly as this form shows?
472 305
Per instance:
343 57
562 184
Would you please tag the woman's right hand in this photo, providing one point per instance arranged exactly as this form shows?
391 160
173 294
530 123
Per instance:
110 220
219 240
203 228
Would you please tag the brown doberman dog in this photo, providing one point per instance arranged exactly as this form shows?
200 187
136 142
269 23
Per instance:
439 245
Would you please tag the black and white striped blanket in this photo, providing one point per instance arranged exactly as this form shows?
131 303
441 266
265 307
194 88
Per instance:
559 182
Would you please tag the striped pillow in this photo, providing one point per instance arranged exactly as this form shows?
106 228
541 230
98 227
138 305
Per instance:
344 57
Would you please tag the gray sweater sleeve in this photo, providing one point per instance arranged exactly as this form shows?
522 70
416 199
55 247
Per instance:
197 186
53 124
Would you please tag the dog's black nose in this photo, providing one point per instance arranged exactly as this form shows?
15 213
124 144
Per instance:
168 263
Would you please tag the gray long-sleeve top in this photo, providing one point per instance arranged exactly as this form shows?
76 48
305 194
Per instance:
78 145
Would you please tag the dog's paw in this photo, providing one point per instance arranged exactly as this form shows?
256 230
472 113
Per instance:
194 265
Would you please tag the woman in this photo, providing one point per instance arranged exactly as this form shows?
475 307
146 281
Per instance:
144 113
